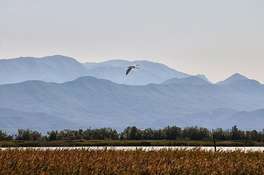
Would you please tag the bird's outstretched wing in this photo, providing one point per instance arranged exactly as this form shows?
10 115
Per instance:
129 70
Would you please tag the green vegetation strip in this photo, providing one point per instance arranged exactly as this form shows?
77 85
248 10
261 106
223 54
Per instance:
132 136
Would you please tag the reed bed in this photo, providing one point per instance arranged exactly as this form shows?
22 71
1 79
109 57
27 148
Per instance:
27 162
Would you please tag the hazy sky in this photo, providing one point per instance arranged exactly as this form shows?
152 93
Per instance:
213 37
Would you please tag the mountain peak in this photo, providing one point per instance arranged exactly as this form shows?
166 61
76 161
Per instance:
233 78
238 76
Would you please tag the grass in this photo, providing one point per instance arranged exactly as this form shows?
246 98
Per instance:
124 143
129 162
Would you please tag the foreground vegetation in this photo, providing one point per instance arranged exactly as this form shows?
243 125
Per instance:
130 162
132 136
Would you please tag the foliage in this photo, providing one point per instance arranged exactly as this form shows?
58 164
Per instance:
4 136
133 133
28 135
89 134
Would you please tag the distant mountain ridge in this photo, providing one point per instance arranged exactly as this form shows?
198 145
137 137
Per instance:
191 80
91 102
58 92
233 79
11 120
149 72
60 69
55 68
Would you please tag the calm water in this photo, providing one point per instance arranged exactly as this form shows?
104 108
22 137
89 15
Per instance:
154 148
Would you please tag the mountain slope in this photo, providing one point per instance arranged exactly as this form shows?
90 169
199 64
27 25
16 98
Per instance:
60 69
233 79
149 72
242 84
227 118
11 120
55 68
249 119
91 102
192 80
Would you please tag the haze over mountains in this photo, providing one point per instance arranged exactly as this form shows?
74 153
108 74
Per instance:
149 72
80 100
50 69
61 69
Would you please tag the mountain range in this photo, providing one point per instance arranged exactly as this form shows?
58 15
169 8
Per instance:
81 95
60 69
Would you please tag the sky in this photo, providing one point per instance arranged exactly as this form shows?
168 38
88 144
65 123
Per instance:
212 37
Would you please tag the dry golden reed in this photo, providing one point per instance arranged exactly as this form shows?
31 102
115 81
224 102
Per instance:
181 162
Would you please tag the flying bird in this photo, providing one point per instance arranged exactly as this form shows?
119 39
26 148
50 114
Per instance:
130 68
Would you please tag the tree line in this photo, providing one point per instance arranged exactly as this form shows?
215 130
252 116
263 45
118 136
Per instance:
134 133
